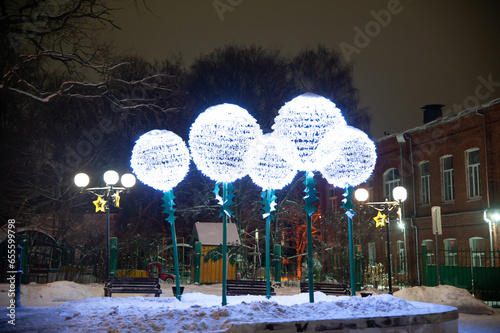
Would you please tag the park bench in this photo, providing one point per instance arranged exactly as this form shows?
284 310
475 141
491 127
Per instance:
132 285
327 288
246 287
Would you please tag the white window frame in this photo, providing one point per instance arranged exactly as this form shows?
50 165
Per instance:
473 176
476 245
447 180
430 255
390 184
425 184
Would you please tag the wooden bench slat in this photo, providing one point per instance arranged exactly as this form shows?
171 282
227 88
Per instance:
247 287
327 288
132 285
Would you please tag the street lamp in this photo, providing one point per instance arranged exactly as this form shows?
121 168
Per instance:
399 194
110 192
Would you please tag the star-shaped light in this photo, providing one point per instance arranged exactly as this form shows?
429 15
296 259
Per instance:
116 198
380 219
100 204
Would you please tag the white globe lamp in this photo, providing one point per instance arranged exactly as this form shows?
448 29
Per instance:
399 193
128 180
81 180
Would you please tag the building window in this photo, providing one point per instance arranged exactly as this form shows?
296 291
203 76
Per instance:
430 251
450 252
425 183
447 178
372 254
401 257
391 180
476 245
473 173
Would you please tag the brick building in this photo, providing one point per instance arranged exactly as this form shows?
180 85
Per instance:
452 162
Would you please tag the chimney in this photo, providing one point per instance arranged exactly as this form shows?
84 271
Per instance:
432 112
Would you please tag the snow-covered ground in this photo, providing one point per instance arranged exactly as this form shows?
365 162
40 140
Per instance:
69 307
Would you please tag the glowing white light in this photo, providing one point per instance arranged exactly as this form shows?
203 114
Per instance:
128 180
305 120
346 156
361 194
219 139
160 159
268 161
399 193
81 179
111 177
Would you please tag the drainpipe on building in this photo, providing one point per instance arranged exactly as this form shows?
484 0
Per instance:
414 208
401 140
487 185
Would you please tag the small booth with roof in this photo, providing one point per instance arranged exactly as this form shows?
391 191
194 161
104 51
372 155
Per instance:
207 239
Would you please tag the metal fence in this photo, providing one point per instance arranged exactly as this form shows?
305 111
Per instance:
476 271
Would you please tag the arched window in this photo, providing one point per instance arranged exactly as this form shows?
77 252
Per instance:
476 245
391 180
450 252
430 251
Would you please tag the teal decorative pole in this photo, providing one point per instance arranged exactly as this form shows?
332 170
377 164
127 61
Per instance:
269 201
309 198
168 205
348 206
225 201
160 159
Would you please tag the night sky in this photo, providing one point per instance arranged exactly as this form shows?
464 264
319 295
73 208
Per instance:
405 54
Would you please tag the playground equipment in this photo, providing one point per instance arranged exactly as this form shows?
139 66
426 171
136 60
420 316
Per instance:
168 278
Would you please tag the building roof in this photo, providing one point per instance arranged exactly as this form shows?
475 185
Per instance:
443 120
209 233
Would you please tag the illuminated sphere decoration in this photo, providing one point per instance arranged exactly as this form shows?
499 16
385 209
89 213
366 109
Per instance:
305 120
219 139
346 157
160 159
269 162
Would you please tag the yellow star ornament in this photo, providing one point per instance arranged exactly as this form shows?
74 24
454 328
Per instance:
380 219
117 197
100 204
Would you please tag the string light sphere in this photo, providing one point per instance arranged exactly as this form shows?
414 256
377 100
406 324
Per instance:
219 139
269 161
305 120
346 156
160 159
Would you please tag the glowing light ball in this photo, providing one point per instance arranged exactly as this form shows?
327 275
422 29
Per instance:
305 120
160 159
219 139
346 156
269 162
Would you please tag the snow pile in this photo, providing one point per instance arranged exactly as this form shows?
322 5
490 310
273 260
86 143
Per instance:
58 292
446 295
203 312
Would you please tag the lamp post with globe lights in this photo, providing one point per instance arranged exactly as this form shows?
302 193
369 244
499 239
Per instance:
399 194
105 194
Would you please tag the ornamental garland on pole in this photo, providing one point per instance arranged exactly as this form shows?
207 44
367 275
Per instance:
160 159
219 139
305 120
347 158
270 167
